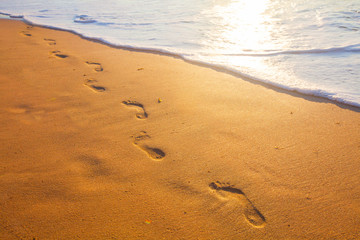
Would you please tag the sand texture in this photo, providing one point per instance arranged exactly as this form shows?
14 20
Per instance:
104 143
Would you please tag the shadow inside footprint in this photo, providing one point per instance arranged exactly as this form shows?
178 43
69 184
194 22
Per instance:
59 54
154 153
94 165
50 41
140 142
96 88
142 114
251 214
98 67
22 108
25 33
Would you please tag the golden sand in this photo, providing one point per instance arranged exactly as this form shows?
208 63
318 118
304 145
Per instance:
104 143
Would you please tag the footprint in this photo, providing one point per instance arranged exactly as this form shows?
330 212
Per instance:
26 113
251 214
90 83
50 41
26 33
20 109
154 153
94 165
98 67
142 114
59 54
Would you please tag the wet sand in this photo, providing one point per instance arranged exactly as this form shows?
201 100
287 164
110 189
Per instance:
104 143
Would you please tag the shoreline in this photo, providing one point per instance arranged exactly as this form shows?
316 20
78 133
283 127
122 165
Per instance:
102 143
223 69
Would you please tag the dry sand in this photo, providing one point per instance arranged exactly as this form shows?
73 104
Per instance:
104 143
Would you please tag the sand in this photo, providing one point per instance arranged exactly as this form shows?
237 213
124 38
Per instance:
104 143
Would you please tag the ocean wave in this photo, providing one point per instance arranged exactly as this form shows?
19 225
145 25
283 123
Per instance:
84 19
41 16
105 23
354 48
20 16
16 16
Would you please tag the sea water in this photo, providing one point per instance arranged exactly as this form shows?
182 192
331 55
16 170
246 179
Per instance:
308 46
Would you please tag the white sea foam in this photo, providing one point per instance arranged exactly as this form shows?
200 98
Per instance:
304 46
84 19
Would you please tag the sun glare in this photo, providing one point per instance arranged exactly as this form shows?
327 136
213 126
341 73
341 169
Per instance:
241 23
240 28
